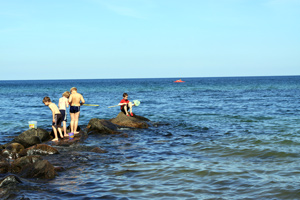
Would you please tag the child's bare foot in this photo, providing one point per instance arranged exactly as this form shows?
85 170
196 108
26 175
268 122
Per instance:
66 135
55 140
76 133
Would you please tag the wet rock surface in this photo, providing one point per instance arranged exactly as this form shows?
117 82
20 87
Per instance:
41 149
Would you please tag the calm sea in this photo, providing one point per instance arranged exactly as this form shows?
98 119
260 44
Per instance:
217 138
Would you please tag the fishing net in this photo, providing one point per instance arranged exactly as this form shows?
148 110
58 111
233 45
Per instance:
136 102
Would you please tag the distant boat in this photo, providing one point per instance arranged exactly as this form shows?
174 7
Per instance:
179 81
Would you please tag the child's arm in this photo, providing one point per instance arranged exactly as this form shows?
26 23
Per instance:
67 103
82 100
70 99
53 114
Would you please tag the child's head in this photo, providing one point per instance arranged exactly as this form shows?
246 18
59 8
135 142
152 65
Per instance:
73 89
125 96
46 101
66 94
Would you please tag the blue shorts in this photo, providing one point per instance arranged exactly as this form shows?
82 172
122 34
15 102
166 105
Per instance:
74 109
64 115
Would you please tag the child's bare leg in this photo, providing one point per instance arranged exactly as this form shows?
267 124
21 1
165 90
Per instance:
65 129
72 122
76 122
60 132
125 108
130 107
55 134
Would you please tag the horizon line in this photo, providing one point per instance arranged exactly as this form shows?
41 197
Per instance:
151 78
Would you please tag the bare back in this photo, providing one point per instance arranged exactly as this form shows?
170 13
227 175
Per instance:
75 99
63 103
54 108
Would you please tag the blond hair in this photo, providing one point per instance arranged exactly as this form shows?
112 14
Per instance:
66 94
73 88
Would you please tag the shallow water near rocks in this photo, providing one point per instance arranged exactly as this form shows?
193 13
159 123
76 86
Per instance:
226 138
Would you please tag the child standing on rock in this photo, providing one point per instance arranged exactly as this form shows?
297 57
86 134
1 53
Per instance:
62 105
56 117
75 100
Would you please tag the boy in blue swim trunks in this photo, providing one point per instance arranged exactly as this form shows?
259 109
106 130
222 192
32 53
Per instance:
75 100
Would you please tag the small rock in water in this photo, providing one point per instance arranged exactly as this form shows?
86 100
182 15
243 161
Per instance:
98 150
59 169
8 180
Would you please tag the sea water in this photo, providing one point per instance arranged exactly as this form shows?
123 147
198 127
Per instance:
215 138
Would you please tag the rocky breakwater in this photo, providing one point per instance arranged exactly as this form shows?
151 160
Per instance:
26 157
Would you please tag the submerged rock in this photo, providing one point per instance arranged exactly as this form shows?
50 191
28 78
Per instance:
98 150
101 126
8 180
32 137
133 122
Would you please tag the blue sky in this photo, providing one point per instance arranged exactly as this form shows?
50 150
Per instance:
91 39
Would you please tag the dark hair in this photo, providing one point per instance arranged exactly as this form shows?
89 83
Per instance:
46 99
125 94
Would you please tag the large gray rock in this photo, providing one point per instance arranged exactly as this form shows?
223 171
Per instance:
101 126
32 137
133 122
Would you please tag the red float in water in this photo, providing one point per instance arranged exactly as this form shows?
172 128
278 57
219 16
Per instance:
179 81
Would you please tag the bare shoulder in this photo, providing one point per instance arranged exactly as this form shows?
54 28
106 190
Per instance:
51 106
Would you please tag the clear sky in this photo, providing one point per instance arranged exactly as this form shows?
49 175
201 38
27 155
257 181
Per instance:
91 39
